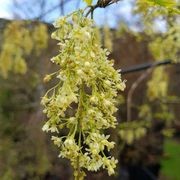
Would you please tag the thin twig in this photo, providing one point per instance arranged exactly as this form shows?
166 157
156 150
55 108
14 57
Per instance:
132 89
62 7
42 6
52 9
100 4
145 66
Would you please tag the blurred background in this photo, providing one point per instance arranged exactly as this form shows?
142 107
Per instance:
144 43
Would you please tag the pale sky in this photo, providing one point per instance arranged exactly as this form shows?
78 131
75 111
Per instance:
4 10
121 11
110 15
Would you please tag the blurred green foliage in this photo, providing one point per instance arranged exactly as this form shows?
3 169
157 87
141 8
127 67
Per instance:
20 154
171 162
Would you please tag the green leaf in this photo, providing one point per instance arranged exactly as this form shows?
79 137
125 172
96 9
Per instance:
165 3
88 2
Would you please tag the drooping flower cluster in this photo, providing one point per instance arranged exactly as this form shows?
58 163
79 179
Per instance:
167 45
11 58
108 38
88 81
158 85
158 6
134 130
40 37
18 42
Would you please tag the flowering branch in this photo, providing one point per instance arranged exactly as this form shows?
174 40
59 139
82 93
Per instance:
84 66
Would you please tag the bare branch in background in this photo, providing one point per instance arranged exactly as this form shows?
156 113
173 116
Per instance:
144 66
20 11
132 89
34 9
53 9
42 6
26 9
62 7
